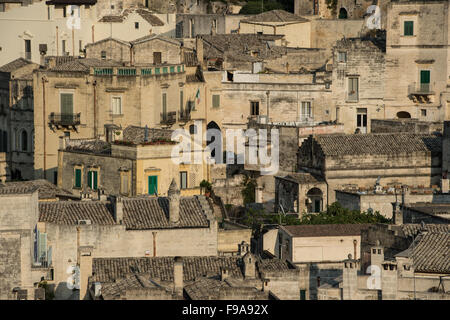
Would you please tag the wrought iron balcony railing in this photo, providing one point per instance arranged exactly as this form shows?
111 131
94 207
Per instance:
184 115
168 118
64 119
420 89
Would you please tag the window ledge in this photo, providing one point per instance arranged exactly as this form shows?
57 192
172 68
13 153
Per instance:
118 115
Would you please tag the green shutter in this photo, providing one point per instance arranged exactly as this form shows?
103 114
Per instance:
408 28
172 69
152 184
66 103
424 76
90 179
95 180
77 178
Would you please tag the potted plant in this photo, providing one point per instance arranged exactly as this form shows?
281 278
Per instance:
207 186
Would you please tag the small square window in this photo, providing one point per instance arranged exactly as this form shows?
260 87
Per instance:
423 112
103 53
254 108
342 57
136 25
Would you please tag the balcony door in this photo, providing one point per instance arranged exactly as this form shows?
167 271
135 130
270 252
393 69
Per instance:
424 80
152 185
66 108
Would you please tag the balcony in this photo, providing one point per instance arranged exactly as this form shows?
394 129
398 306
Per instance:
420 92
168 118
65 120
184 116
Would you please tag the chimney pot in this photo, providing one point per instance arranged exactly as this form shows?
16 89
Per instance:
178 275
174 202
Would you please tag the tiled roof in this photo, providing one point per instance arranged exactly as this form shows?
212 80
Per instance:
136 134
156 36
14 65
190 59
412 229
108 39
145 14
304 178
431 253
153 213
91 146
353 144
161 268
46 189
70 212
83 65
78 2
276 16
325 230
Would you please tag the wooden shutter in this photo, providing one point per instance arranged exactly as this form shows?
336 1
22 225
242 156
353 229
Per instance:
95 179
90 179
157 58
66 103
408 28
77 178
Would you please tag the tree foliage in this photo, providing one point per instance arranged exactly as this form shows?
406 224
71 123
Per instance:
248 190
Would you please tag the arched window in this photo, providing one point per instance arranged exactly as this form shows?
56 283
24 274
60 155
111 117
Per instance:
24 140
342 13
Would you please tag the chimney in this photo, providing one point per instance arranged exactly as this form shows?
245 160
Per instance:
97 289
199 50
376 256
389 280
43 52
85 254
444 185
178 275
249 263
224 273
397 213
118 210
174 202
350 279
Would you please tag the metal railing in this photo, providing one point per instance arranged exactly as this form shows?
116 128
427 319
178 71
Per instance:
420 88
64 119
184 115
168 117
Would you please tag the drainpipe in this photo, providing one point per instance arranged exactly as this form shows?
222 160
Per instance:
94 83
44 80
57 42
268 114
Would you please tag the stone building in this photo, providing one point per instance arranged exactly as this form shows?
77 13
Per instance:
417 66
296 30
318 251
358 82
362 159
243 277
79 97
137 161
17 117
399 263
405 125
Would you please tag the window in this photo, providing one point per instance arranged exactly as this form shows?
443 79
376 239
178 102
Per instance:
216 101
192 129
116 105
164 103
80 45
64 12
63 47
77 180
183 179
424 80
408 28
423 112
191 25
342 57
92 179
103 53
374 251
124 183
66 101
28 49
153 185
306 112
361 119
24 141
136 25
157 58
353 89
254 108
302 294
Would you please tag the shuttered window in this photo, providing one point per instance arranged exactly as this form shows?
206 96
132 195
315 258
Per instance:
77 183
92 179
66 103
408 28
117 105
353 89
152 184
216 101
42 247
183 179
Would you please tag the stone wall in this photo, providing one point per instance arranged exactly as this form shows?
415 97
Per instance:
10 264
405 125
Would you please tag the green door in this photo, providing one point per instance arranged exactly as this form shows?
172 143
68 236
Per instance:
77 178
302 294
152 184
66 108
424 80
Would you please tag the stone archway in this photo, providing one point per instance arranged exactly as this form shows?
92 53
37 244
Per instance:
403 115
343 13
314 200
